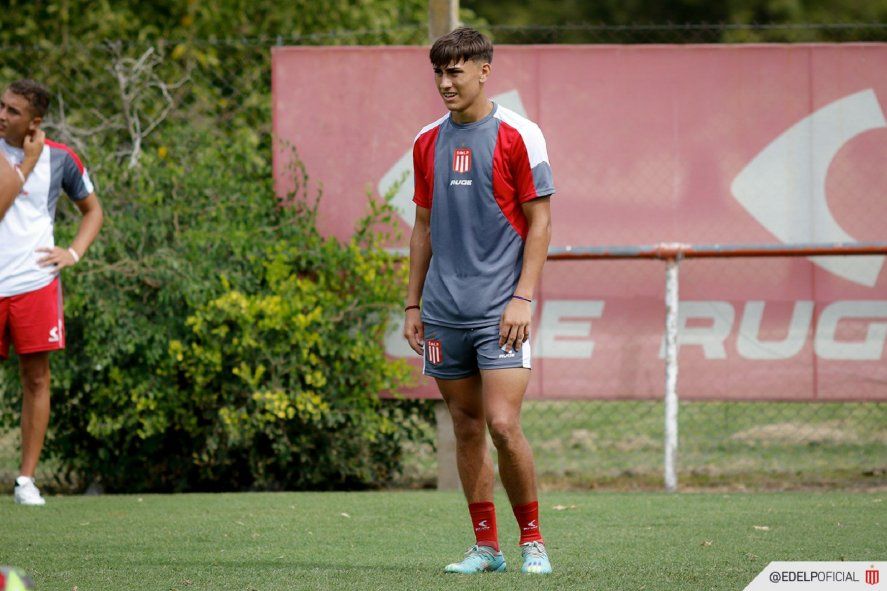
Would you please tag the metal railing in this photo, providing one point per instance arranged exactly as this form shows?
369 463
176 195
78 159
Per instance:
672 253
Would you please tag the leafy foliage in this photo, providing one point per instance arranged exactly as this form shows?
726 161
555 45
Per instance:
622 12
218 341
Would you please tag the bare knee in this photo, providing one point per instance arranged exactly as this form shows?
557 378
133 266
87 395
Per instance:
505 432
35 382
467 426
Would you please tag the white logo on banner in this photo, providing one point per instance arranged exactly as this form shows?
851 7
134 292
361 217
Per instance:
783 187
403 198
818 576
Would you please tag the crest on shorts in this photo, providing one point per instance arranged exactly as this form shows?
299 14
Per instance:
462 160
434 351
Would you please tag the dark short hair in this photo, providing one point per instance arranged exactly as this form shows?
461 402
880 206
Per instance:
462 44
38 95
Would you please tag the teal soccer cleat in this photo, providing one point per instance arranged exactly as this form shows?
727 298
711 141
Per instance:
535 559
478 559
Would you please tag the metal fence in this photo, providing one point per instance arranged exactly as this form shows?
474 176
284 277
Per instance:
753 444
115 102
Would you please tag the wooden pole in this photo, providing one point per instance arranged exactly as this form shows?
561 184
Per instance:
443 17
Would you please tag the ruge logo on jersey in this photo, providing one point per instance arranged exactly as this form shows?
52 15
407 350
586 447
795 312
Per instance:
435 351
461 160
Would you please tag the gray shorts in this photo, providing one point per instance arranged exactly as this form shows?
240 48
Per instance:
453 353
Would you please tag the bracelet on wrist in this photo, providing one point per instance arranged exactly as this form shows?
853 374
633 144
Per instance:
74 254
21 175
522 298
413 307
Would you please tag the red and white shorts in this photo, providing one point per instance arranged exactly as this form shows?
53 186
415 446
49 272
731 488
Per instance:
33 322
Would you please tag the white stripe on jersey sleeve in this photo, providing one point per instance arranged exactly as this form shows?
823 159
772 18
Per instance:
430 126
529 131
87 182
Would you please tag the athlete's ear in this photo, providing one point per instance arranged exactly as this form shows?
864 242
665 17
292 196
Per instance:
485 71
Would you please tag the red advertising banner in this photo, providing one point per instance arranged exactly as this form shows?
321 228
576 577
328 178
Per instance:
695 144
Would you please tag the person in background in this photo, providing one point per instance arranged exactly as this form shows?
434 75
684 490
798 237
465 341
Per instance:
31 312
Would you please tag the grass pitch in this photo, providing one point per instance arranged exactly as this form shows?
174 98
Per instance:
401 540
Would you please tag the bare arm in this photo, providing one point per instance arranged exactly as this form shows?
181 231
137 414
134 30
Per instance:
420 258
90 224
514 328
10 182
10 186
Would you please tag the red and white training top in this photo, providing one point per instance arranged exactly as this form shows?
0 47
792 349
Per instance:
475 178
29 222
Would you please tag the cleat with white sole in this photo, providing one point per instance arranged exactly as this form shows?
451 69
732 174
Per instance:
535 559
27 493
478 559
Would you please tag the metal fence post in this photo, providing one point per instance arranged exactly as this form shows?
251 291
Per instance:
671 372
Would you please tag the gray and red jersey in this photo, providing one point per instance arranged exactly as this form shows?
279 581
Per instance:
28 223
474 178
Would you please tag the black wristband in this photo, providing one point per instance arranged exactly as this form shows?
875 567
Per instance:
517 297
414 307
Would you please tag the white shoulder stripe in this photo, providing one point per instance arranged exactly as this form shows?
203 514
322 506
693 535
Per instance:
431 126
529 131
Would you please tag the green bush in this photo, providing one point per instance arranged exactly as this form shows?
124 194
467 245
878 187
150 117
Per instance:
216 341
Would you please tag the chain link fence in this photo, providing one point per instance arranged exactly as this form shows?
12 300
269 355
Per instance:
736 445
117 102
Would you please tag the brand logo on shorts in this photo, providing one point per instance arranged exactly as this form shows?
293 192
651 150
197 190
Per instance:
434 351
55 333
462 160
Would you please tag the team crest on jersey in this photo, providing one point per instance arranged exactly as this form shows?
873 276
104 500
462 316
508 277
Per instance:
462 160
434 351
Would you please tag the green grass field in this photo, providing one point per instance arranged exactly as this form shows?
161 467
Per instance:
401 540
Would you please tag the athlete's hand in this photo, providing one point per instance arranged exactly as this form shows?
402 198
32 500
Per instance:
56 257
414 330
33 146
514 328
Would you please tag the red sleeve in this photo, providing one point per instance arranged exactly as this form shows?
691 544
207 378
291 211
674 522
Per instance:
422 191
423 168
524 186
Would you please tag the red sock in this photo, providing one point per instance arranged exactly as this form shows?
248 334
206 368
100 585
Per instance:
528 521
483 519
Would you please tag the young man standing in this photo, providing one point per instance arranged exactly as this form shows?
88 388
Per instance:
31 317
481 236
